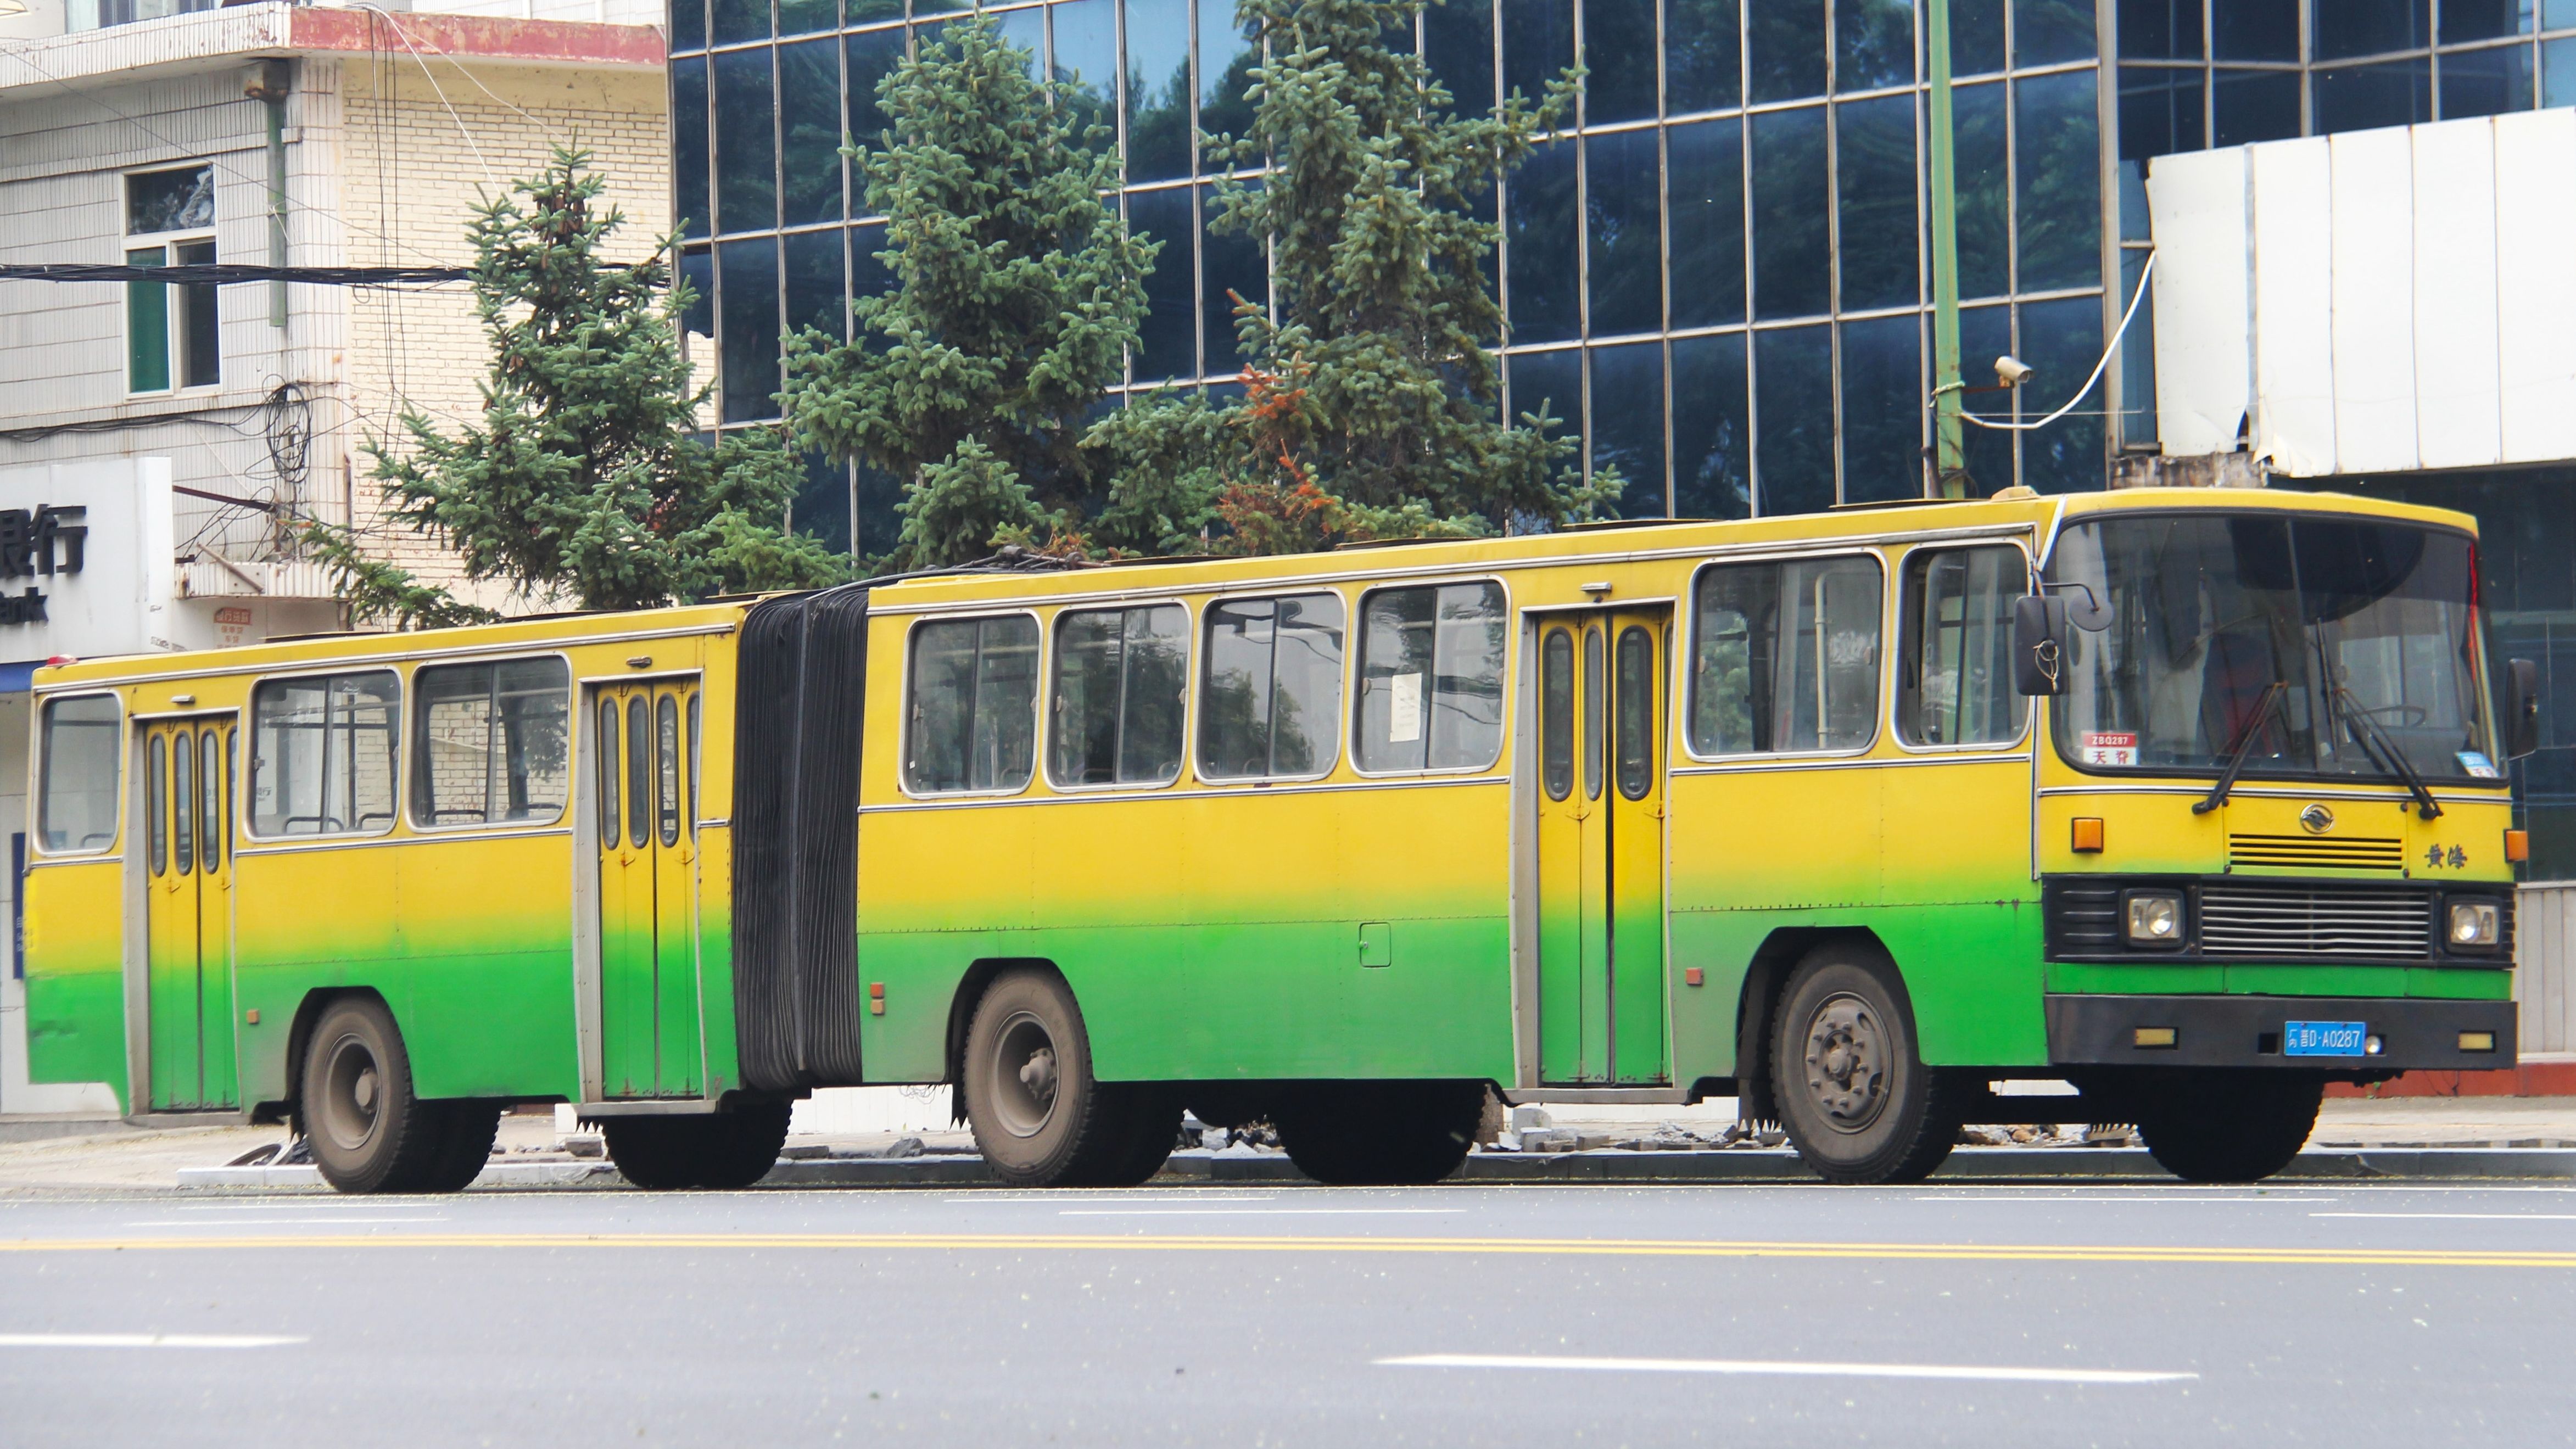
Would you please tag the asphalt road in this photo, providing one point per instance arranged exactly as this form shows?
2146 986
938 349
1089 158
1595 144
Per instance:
2149 1314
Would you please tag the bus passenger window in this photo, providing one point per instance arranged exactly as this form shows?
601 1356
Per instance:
77 808
322 754
1272 687
489 747
1786 657
1593 694
973 718
1431 678
1119 676
1556 703
1956 684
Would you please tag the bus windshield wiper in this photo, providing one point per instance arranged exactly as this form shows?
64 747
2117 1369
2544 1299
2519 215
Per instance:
2375 741
2241 744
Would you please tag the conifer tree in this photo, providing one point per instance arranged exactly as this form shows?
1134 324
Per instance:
1372 404
1018 292
585 476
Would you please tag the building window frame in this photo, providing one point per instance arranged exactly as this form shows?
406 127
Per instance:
173 330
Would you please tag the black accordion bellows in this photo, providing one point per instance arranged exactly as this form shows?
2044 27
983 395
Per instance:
797 732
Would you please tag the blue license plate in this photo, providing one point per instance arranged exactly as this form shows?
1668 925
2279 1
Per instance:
2323 1038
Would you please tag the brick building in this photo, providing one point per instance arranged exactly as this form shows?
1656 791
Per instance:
192 426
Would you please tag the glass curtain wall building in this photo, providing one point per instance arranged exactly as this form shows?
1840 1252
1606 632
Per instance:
1717 274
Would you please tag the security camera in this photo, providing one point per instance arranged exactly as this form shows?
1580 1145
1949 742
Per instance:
2011 371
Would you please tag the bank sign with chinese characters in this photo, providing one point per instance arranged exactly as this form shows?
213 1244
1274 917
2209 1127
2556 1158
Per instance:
85 560
35 545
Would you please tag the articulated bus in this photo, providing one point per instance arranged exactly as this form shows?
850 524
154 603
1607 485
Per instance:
2191 798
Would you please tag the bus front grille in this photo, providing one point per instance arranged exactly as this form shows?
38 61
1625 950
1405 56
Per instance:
2283 923
2309 852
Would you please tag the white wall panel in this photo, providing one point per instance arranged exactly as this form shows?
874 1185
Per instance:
2294 374
2458 412
2373 266
2203 306
2535 191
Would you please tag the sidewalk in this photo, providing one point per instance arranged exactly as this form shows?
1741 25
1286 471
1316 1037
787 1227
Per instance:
2409 1136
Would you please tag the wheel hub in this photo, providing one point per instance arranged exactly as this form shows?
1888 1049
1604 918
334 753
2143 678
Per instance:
1023 1075
352 1095
1846 1063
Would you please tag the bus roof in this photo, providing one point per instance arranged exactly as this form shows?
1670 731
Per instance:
554 630
1629 543
1932 518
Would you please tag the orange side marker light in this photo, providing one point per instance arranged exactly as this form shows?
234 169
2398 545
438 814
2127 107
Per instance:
876 998
2517 846
2086 837
1694 976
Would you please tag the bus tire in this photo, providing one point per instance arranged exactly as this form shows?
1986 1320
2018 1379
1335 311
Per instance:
741 1146
2223 1126
658 1154
465 1144
1152 1118
1379 1134
369 1133
1039 1116
1848 1078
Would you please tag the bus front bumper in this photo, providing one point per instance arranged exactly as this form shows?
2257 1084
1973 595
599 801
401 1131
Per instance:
2397 1034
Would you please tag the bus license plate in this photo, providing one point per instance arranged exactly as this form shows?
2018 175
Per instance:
2323 1038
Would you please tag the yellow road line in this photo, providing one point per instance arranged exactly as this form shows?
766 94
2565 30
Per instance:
1201 1243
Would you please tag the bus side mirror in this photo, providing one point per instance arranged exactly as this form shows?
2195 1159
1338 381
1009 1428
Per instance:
2521 708
2039 645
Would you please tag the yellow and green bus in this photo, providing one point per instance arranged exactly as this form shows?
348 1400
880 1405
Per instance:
2192 798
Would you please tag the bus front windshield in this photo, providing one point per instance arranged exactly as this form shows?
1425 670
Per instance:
2312 645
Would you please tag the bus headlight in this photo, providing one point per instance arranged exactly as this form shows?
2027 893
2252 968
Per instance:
2475 925
2155 920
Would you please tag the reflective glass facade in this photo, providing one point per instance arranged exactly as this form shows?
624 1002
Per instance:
1717 274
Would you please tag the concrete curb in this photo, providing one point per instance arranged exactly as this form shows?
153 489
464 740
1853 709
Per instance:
1967 1164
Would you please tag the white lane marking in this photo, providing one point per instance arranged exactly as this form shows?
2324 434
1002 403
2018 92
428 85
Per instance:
1245 1212
2142 1197
147 1340
1051 1200
1792 1369
2483 1217
276 1222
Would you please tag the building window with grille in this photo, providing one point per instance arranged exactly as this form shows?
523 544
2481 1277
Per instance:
173 340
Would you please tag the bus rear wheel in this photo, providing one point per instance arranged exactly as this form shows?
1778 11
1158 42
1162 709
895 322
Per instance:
2223 1126
1039 1116
369 1133
466 1131
1379 1134
1858 1102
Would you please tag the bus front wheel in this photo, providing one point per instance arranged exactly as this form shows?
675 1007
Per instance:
369 1133
2222 1126
1859 1104
1040 1117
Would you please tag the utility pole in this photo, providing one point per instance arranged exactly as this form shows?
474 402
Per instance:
1949 445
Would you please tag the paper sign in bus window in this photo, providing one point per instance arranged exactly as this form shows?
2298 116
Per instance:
1404 708
2111 747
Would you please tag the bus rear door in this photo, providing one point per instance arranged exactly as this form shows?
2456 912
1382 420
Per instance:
1601 848
648 942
